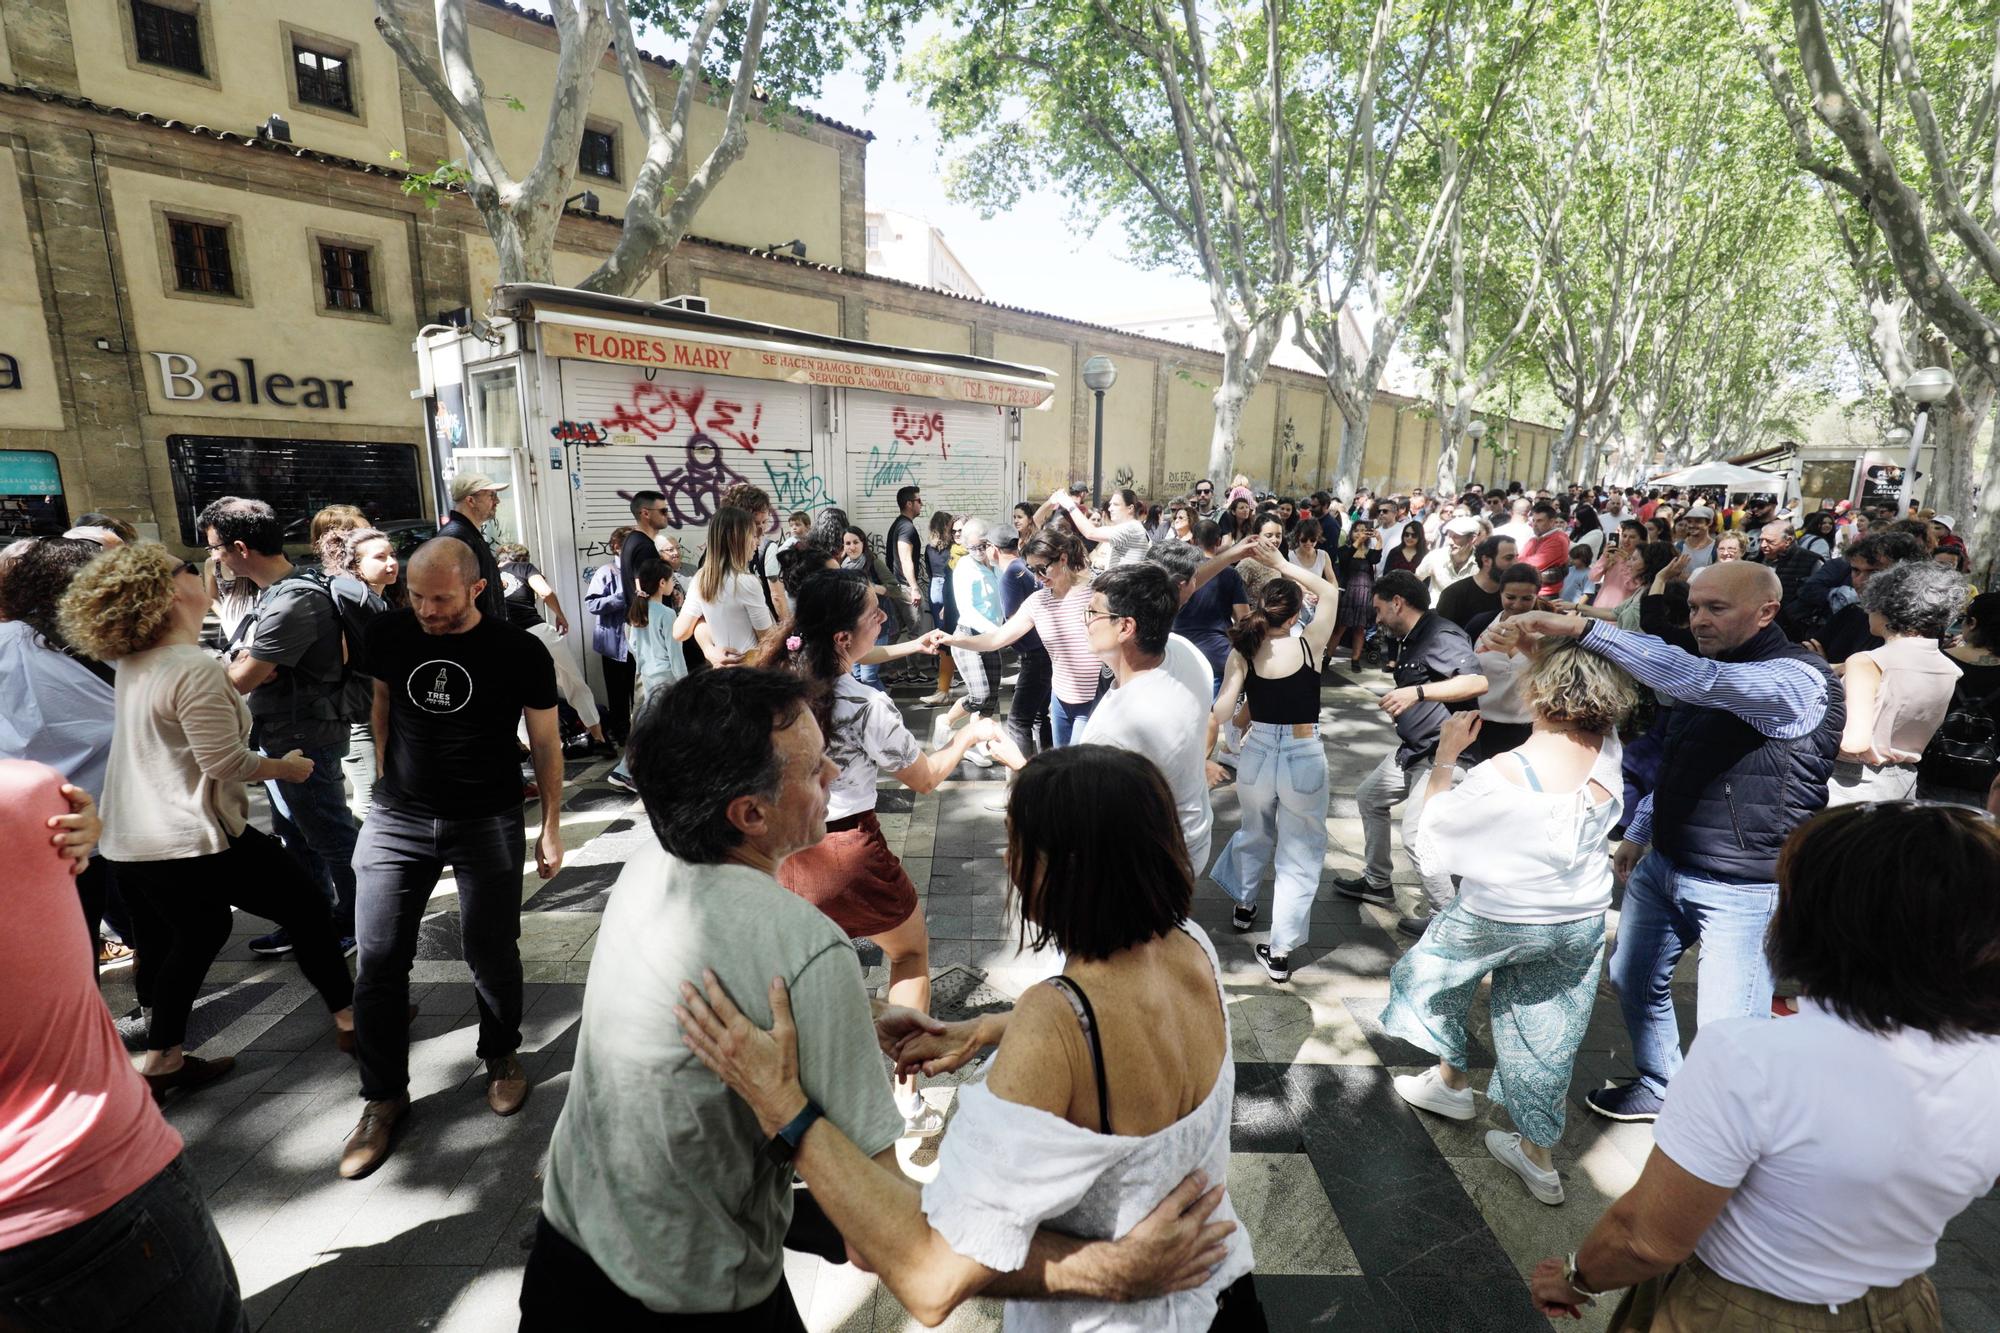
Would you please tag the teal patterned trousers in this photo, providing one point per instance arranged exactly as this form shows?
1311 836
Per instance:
1544 982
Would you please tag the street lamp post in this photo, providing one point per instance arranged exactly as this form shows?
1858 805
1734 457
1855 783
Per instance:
1099 374
1926 387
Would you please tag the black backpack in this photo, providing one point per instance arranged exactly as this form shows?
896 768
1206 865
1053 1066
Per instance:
1965 752
355 605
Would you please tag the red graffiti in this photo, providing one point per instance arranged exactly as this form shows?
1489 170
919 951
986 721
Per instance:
578 432
655 412
914 428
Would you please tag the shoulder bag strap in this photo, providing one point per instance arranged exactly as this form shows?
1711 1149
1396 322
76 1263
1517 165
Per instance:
1086 1018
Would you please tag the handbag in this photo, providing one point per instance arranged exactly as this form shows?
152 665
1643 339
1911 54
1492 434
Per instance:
1964 752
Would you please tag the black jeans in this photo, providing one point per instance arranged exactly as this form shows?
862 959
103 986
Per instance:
182 911
1028 716
152 1260
618 677
564 1288
396 865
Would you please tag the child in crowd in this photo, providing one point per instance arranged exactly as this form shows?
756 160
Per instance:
1576 583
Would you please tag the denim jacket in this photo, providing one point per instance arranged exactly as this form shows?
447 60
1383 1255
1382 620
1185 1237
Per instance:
606 603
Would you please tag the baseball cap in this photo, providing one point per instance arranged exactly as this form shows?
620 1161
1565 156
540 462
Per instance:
1699 511
1463 525
471 483
1762 498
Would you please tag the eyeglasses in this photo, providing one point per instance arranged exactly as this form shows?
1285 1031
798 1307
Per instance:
1204 490
1095 614
217 550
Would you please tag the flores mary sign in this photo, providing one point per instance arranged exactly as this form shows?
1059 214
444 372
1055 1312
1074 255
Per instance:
182 380
765 361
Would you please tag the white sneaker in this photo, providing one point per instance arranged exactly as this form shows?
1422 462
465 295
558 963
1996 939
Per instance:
922 1120
1427 1090
937 700
978 757
1506 1148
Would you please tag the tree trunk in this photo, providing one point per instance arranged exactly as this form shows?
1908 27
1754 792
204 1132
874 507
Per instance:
1955 486
1354 407
1231 397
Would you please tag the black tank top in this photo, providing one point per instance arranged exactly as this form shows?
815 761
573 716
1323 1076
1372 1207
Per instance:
1285 699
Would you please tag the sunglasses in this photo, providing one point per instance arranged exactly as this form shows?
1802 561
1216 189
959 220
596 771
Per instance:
189 567
1041 572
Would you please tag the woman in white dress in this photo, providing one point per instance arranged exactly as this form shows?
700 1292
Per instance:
726 611
1087 1121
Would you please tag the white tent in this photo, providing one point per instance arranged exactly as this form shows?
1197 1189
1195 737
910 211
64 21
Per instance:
1728 476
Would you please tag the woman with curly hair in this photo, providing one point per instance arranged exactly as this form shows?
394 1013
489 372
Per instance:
176 816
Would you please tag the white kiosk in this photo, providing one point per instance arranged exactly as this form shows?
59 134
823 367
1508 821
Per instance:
579 400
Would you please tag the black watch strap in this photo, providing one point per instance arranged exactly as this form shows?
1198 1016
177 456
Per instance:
784 1145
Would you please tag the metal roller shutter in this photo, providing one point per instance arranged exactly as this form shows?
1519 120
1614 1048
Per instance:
958 453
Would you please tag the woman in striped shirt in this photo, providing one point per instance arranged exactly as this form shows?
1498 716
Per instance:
1055 613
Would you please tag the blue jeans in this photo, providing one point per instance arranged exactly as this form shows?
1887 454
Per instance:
151 1260
313 819
871 676
1282 791
1066 720
1667 909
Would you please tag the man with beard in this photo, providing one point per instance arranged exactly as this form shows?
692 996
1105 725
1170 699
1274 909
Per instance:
451 685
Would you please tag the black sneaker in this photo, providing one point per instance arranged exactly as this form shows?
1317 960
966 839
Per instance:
274 945
1243 918
1413 926
1358 887
1277 966
1630 1103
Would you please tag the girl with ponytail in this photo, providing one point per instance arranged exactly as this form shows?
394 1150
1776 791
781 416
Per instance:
851 874
1281 786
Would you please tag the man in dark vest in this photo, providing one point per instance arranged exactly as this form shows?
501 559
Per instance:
1746 758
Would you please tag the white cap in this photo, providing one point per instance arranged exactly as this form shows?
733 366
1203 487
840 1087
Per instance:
1699 511
1463 525
471 483
1950 523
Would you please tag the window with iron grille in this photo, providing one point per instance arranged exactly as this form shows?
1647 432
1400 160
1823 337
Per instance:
323 79
343 271
170 37
201 257
599 154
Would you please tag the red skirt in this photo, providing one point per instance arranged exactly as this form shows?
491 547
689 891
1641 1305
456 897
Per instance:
853 877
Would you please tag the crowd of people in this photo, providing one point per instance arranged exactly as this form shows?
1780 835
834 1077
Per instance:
1775 736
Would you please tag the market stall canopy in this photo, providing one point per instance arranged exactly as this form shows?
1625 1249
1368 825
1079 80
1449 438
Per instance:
1726 475
588 326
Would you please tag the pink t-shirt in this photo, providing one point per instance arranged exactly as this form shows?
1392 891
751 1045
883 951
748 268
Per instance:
1063 632
78 1128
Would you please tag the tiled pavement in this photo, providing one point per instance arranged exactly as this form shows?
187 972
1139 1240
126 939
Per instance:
1364 1214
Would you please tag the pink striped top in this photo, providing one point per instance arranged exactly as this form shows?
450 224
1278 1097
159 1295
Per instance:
1064 634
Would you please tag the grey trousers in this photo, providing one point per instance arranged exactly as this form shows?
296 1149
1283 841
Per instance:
1389 785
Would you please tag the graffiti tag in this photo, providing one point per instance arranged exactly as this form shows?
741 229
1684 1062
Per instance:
795 487
914 428
694 489
1122 478
579 432
887 469
654 412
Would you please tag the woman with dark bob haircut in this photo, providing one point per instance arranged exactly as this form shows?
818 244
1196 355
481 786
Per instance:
1088 1122
1803 1169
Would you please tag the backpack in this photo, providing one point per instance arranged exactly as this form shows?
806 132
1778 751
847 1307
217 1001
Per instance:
355 605
1965 750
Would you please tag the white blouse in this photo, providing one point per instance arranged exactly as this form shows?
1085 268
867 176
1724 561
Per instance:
1525 856
738 615
1008 1169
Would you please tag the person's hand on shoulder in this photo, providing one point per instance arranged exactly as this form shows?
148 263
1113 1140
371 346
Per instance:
77 832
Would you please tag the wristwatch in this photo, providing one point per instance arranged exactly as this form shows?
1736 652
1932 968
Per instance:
784 1145
1575 1280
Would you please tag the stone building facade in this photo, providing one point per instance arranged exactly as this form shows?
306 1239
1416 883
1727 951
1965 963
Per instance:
195 305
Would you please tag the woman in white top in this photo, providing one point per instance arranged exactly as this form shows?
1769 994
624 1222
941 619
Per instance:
1504 658
726 611
1898 694
1526 832
176 816
1305 553
1804 1169
1087 1120
851 874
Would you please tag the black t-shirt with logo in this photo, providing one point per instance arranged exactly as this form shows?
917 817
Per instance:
454 703
903 533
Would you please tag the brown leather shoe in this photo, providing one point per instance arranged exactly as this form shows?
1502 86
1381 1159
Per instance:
368 1146
506 1084
347 1043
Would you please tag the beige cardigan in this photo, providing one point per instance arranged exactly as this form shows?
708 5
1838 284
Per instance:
174 786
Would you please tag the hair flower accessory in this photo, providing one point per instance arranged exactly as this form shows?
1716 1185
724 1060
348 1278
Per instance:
794 643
